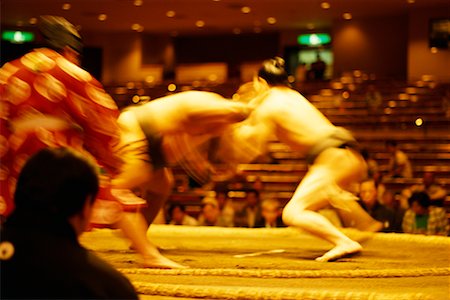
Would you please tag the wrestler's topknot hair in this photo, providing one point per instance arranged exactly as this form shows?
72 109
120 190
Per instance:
273 72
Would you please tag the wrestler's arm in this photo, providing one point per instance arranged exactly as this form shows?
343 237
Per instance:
211 111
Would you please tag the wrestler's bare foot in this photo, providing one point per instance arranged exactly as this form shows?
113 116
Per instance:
339 251
161 262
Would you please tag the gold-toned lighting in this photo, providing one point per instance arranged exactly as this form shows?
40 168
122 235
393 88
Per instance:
200 23
325 5
170 13
32 21
171 87
137 27
419 122
434 50
66 6
347 16
310 26
246 9
271 20
136 99
138 2
102 17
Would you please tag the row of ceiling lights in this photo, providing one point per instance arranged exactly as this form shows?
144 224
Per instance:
200 23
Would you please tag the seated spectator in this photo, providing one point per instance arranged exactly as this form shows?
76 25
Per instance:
390 200
372 165
258 184
226 208
210 215
435 191
41 255
178 215
270 214
422 218
250 212
373 98
381 188
369 201
399 165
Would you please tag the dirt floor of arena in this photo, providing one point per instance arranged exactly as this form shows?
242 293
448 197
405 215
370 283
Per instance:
238 263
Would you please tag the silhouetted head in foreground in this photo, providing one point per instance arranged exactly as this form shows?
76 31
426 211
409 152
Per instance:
58 184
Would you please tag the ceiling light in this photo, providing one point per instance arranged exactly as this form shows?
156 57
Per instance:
200 23
102 17
246 9
411 1
137 27
32 21
138 2
310 26
271 20
66 6
19 23
170 13
434 50
347 16
325 5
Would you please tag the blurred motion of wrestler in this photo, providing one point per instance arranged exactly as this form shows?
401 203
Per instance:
334 164
47 100
168 131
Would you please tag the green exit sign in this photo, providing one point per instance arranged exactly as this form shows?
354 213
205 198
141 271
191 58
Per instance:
314 39
17 37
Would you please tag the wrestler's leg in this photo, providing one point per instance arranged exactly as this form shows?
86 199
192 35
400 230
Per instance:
134 227
332 167
157 192
301 212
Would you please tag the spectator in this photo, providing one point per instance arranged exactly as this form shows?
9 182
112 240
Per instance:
369 201
258 184
373 98
422 218
435 191
372 165
390 200
210 215
318 68
399 165
41 254
381 188
270 214
251 211
226 208
178 215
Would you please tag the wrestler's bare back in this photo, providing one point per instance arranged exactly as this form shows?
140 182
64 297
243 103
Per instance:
196 113
289 116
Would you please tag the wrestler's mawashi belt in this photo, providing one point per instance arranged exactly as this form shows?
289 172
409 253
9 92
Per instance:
340 138
154 139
